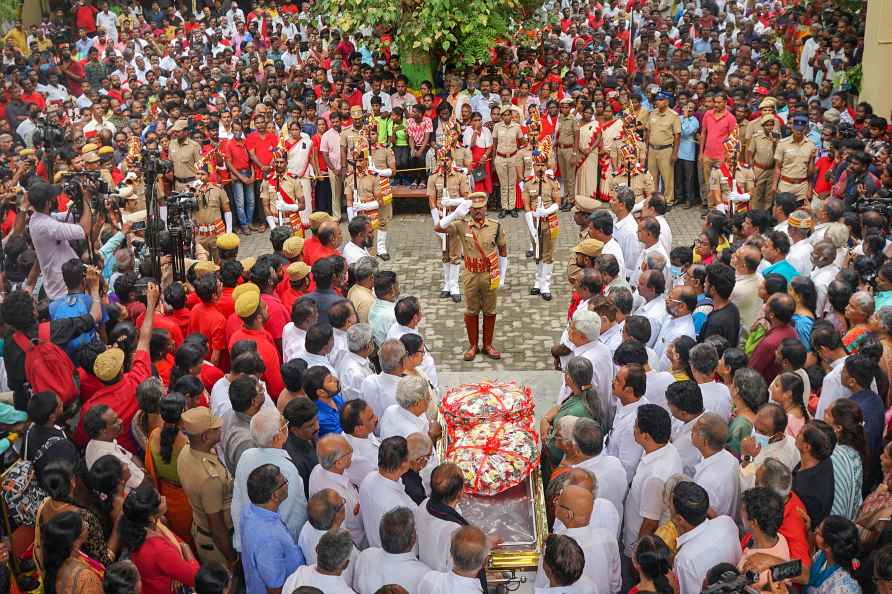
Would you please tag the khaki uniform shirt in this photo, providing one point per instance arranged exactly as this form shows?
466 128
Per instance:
184 157
383 158
212 203
663 127
207 484
550 193
366 190
290 186
456 183
362 299
567 129
507 136
794 158
489 235
461 157
641 183
763 149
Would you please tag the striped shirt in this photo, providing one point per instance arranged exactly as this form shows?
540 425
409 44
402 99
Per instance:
847 477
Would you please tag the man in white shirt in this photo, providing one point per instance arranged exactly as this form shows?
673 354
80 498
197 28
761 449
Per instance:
680 306
771 424
717 472
652 289
102 425
245 363
108 22
354 365
685 403
649 236
585 329
342 316
611 321
335 457
655 207
588 454
326 512
468 550
360 229
644 503
409 414
376 91
716 397
379 391
601 550
625 230
234 14
358 421
800 226
333 557
702 543
395 562
602 228
824 272
318 344
628 388
304 314
563 564
408 315
54 90
437 518
382 490
827 345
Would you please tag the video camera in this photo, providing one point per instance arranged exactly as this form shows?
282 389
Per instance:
153 164
48 134
102 198
732 582
881 202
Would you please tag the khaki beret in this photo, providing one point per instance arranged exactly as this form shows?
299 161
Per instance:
228 241
247 304
767 102
298 270
108 364
319 217
89 148
293 247
585 204
105 150
205 267
478 199
196 421
91 157
179 125
244 288
589 247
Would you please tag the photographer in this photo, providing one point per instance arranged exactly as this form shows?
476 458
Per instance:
51 237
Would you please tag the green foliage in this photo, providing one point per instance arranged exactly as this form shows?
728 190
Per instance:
462 31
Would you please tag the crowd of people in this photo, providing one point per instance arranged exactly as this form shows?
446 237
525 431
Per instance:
182 417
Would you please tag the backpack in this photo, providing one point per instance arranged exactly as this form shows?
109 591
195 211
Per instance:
47 367
72 306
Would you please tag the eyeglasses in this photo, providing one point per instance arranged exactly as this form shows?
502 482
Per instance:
282 484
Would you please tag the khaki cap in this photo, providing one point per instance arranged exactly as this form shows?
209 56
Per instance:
589 247
108 364
196 421
293 247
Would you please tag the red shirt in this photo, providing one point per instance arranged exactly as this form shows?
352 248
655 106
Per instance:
182 318
268 352
262 146
762 359
823 165
716 131
278 315
237 154
225 303
163 322
85 18
77 69
320 252
35 98
120 397
89 384
233 325
311 245
793 529
289 296
160 563
209 375
206 319
164 367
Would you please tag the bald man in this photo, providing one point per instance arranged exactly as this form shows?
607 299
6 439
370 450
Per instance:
326 511
604 513
468 550
602 563
335 456
437 518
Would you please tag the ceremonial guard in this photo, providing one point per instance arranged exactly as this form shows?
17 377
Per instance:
213 218
795 161
282 196
542 199
442 203
566 141
485 248
731 182
362 188
382 164
185 154
507 137
534 143
761 147
629 172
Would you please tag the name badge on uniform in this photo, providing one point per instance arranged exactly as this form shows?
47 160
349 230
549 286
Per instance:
469 235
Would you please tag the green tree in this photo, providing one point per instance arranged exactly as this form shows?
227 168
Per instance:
459 32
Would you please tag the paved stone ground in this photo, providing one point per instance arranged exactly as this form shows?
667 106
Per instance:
527 326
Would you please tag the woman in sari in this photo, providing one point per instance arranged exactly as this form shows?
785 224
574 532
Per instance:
162 451
589 154
873 516
478 139
66 569
858 313
832 570
611 133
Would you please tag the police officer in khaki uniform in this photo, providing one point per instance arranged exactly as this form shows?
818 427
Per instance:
185 154
383 163
282 196
630 173
363 193
795 161
105 165
663 132
348 140
565 141
213 217
208 485
457 188
761 148
541 200
766 107
486 263
506 138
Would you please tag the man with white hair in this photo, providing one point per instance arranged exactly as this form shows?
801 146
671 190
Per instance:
335 456
269 431
355 366
409 414
395 562
423 460
823 257
380 390
585 328
326 511
468 551
586 451
332 558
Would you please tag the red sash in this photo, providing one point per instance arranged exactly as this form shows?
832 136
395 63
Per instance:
294 220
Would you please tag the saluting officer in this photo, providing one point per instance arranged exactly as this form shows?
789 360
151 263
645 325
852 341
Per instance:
542 199
486 264
457 188
208 485
383 164
213 217
362 191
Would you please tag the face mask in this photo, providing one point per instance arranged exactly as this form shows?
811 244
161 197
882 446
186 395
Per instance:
676 271
761 440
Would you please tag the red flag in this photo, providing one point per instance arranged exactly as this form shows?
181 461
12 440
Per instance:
631 65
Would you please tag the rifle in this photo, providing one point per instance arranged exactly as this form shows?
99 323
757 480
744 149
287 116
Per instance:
539 206
443 198
278 185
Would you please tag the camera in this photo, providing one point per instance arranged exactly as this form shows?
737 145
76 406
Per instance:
881 202
48 134
102 198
